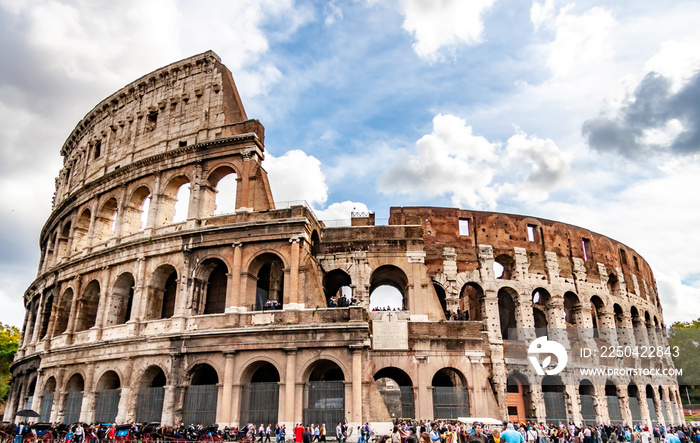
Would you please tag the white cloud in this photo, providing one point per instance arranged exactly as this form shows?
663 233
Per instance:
449 160
580 39
446 23
341 211
680 302
549 165
474 171
333 13
296 176
677 61
541 13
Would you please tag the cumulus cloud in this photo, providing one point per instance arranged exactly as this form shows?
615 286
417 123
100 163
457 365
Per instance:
655 119
452 160
548 163
333 12
580 39
297 176
446 23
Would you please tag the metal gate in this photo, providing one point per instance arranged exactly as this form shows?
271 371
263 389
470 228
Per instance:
200 404
587 409
652 410
664 411
450 402
260 403
46 406
325 402
149 406
555 407
107 405
614 408
634 409
74 402
407 402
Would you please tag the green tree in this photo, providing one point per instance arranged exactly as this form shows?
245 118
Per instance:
686 336
9 341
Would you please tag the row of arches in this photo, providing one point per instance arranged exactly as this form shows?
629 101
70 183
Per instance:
160 296
260 400
619 405
145 205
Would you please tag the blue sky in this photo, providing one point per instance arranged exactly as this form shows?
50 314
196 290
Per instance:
583 112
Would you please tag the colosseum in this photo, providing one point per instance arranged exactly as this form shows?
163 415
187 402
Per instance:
163 295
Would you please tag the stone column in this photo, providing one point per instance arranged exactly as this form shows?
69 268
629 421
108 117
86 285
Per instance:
37 319
524 319
233 294
226 407
573 403
537 398
357 384
600 404
624 404
643 406
242 202
153 207
423 401
170 398
657 406
290 385
87 409
294 302
140 300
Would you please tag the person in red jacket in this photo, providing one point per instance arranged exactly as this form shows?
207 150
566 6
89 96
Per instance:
110 434
298 431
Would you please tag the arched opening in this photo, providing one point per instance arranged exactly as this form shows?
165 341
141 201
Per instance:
136 211
597 307
450 394
613 284
74 399
315 243
503 267
63 312
396 389
46 316
63 242
470 301
223 184
649 324
29 397
105 221
81 231
633 397
619 317
638 327
215 301
651 404
388 285
554 400
122 300
324 394
337 289
47 400
201 396
518 398
613 400
107 400
50 253
260 395
174 202
442 298
506 313
269 285
572 308
149 404
162 293
87 314
586 393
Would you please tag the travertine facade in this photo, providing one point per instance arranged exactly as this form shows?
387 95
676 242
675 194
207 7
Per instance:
148 304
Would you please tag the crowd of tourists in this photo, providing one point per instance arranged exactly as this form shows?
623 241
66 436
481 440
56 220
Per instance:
456 432
407 431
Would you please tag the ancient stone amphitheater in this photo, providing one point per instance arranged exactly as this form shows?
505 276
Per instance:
149 302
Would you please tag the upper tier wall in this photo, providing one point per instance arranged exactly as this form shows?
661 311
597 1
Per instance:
506 232
188 102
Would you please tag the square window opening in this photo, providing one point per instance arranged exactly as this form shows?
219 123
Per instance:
463 227
531 233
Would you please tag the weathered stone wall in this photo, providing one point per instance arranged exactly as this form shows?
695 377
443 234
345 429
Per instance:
127 298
